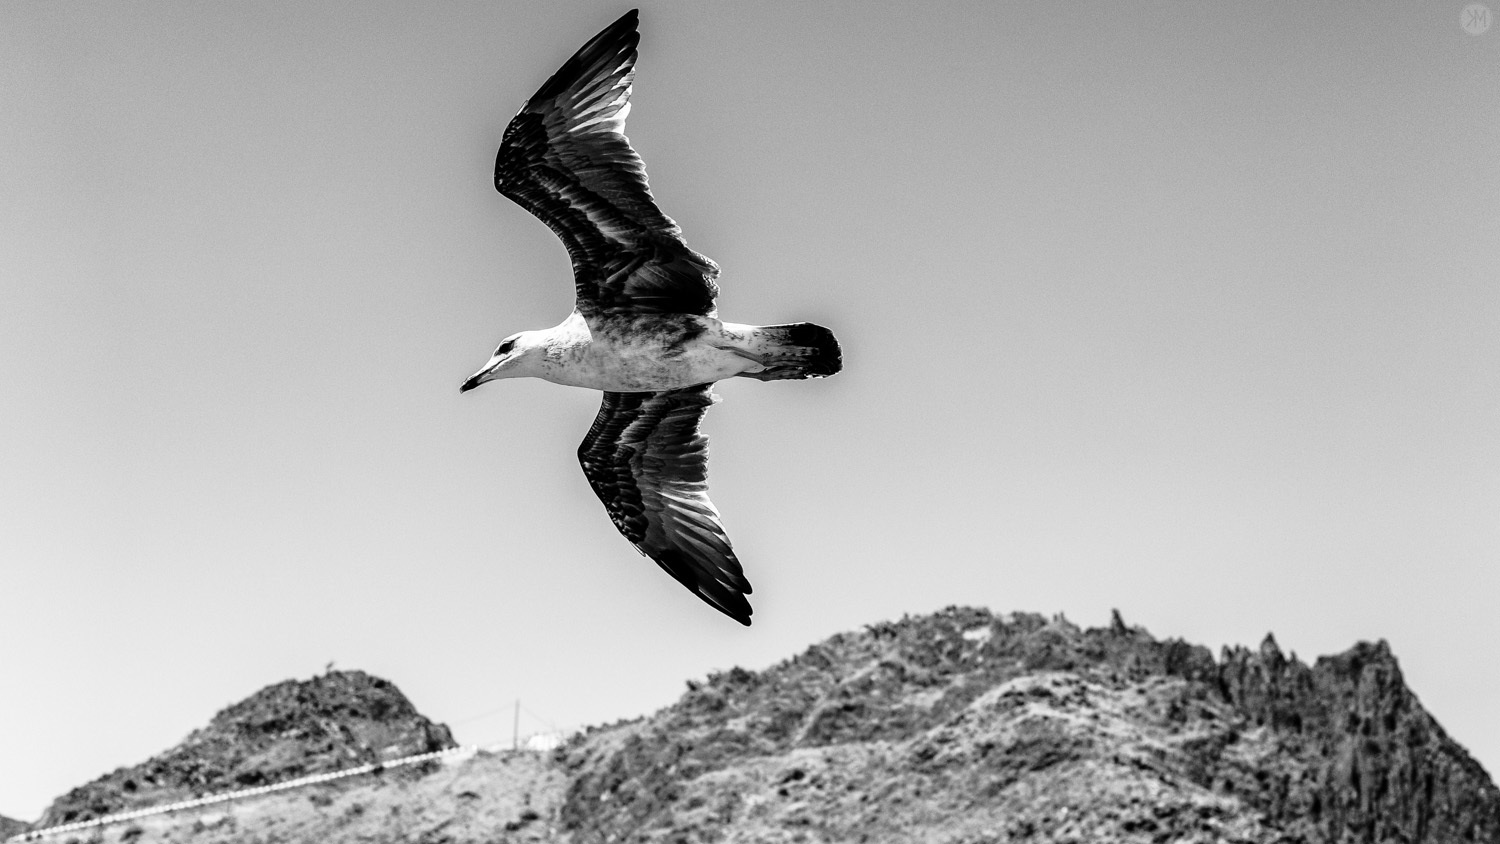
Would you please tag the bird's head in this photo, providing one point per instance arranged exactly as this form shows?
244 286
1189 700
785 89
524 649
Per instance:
516 356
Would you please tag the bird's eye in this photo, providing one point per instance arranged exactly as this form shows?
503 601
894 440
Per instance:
505 347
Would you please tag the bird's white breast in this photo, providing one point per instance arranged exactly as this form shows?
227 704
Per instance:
645 356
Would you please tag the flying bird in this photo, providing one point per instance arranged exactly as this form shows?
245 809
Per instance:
644 328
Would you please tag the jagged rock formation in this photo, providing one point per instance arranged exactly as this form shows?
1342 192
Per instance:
1373 765
959 727
334 721
965 727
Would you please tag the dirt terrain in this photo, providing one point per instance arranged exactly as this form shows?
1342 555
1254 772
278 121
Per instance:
333 721
959 727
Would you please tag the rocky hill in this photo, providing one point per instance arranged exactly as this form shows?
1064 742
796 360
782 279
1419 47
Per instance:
959 727
966 727
11 826
338 720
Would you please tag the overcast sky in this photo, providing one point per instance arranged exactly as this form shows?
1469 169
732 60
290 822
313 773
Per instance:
1186 309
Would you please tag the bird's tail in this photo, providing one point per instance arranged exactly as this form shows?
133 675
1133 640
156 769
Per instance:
798 350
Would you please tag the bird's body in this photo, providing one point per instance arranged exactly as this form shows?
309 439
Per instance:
645 353
645 329
650 352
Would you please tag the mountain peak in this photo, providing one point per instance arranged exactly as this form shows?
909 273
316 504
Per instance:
1001 720
958 726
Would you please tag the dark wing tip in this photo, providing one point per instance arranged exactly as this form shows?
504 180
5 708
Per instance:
728 601
715 578
615 43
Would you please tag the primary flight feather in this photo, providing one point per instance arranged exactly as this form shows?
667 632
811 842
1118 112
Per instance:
644 327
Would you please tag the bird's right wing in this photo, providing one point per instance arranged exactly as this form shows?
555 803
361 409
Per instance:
647 461
565 158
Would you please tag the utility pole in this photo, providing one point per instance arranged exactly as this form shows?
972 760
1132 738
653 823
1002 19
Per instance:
515 728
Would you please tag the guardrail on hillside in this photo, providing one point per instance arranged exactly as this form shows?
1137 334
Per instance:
226 796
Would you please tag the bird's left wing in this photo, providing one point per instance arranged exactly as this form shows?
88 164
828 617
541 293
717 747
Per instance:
565 158
648 463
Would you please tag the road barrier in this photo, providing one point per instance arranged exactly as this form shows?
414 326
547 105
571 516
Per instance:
452 753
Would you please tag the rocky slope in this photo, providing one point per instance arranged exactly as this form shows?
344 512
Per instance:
959 727
486 799
11 826
965 727
338 720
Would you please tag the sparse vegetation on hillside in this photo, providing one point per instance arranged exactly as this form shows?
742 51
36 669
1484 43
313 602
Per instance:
11 826
963 726
333 721
959 727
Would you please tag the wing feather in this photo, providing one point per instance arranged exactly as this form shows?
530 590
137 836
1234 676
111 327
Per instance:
565 158
648 463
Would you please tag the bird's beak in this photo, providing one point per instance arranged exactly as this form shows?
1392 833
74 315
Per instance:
490 372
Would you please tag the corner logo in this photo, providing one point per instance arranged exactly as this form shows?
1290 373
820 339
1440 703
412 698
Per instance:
1475 18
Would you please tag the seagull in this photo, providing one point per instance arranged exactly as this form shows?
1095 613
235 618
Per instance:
644 328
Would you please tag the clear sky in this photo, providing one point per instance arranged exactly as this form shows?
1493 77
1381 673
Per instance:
1191 310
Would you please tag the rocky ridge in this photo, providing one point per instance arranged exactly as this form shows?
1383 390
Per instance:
959 727
295 728
964 726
